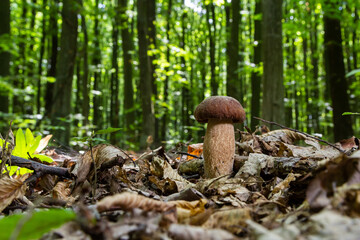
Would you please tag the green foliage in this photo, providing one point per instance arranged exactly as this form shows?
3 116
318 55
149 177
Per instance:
354 72
350 113
26 145
39 223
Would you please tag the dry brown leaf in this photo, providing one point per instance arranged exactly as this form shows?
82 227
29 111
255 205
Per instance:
232 220
127 201
341 170
101 153
11 188
43 143
185 210
163 169
62 191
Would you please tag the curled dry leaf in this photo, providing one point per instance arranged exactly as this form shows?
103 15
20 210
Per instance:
62 191
186 210
128 201
162 169
11 188
102 153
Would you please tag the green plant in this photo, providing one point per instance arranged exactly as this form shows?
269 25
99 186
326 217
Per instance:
27 146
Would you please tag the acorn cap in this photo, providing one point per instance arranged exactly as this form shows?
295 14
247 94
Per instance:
220 107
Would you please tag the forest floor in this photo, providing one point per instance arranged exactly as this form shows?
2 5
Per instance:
285 185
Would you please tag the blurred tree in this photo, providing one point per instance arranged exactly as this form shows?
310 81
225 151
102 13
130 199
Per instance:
147 105
4 53
335 70
273 88
65 69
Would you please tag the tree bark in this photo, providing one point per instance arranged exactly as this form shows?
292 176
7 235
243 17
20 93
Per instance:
4 55
85 81
42 51
148 118
273 88
65 70
114 82
211 24
255 75
53 30
96 61
335 72
165 117
127 48
232 75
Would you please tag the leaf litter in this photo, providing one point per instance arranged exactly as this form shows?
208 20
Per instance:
279 189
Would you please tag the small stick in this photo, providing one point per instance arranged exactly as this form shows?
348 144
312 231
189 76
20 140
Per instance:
188 154
306 134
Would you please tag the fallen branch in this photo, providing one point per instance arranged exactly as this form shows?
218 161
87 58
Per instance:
306 134
39 168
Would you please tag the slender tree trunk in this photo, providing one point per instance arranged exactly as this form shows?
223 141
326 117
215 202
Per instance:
42 51
4 55
185 93
85 83
165 117
335 72
232 76
127 48
255 75
96 60
65 69
53 30
315 71
114 84
148 118
211 24
19 81
273 88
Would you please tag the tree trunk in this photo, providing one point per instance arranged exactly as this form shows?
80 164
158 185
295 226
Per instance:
4 55
148 118
232 75
127 47
65 70
165 117
42 51
96 61
273 88
212 34
151 18
255 75
53 30
85 88
335 72
114 82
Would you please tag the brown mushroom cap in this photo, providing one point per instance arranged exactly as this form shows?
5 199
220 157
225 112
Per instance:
220 107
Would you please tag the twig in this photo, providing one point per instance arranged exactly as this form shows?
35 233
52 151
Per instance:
39 168
306 134
188 154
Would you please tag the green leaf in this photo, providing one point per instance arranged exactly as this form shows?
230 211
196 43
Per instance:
353 72
40 223
34 144
20 144
43 158
29 137
108 130
350 113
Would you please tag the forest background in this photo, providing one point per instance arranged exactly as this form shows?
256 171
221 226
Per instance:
69 67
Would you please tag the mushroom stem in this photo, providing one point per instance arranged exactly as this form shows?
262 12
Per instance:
219 148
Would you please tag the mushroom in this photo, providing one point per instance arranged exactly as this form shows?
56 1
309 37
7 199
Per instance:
220 112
